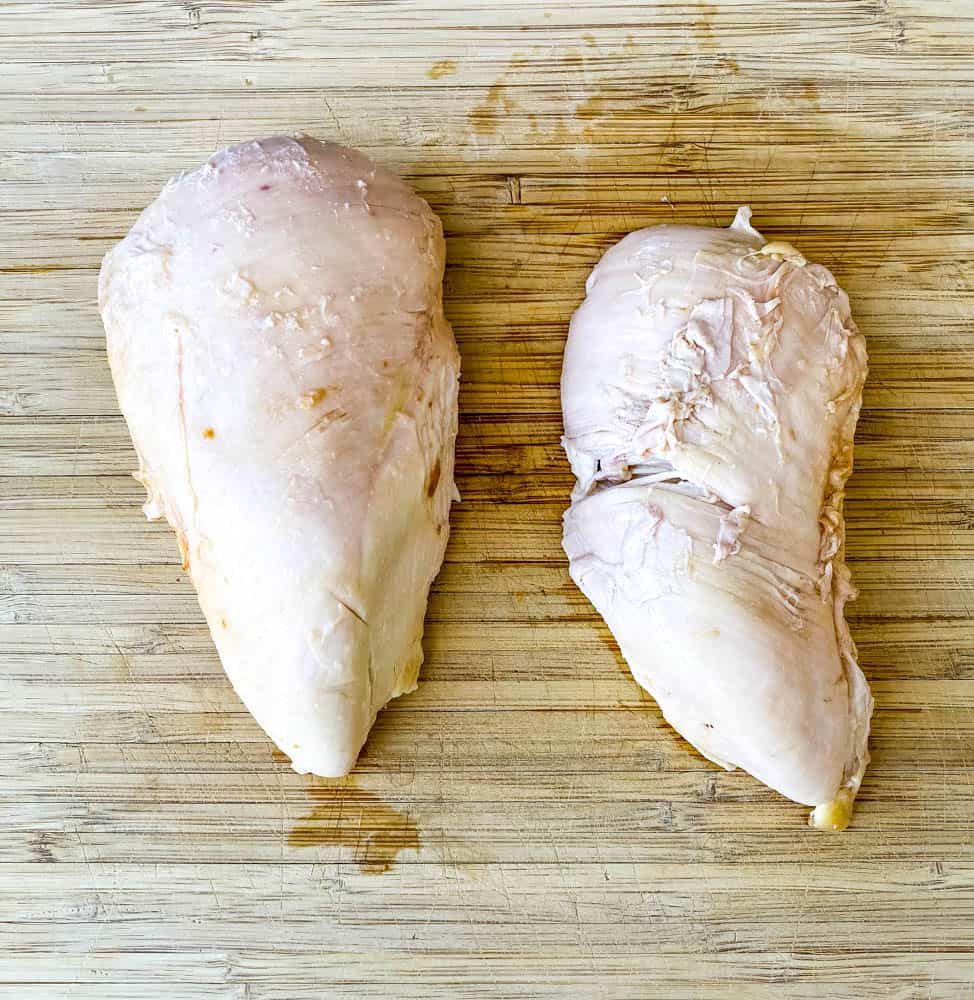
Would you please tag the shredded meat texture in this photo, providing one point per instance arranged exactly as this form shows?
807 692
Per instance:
277 340
710 389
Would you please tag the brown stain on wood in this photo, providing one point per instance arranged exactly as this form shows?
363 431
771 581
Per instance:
484 116
590 108
703 23
347 816
441 68
809 90
594 121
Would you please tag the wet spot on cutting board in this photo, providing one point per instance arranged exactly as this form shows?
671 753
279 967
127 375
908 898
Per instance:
347 816
441 68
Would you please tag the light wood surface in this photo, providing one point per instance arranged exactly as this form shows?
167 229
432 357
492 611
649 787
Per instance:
524 825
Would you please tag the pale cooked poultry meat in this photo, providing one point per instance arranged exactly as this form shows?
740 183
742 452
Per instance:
710 389
279 349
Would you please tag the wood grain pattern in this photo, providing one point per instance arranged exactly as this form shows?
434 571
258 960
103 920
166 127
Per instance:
524 825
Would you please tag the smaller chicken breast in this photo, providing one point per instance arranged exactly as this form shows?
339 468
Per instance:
277 340
710 389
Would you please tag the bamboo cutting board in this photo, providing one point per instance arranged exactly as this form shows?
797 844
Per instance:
524 825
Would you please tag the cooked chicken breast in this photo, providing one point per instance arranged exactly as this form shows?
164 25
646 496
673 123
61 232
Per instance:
710 389
278 344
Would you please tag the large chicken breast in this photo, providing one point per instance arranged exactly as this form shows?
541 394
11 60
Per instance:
710 389
278 344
